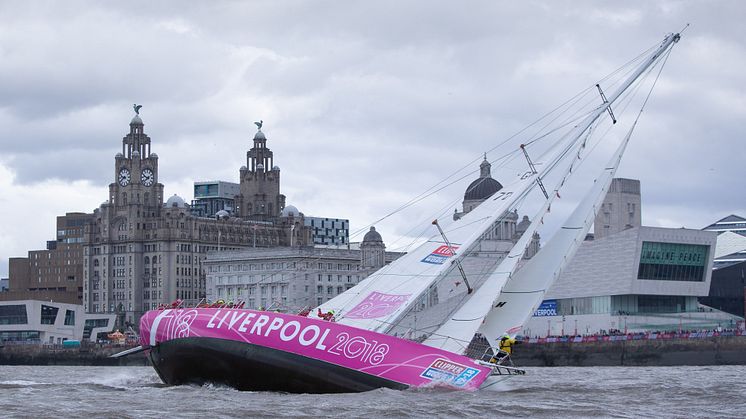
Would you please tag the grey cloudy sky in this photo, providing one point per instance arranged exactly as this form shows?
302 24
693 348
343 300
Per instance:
365 103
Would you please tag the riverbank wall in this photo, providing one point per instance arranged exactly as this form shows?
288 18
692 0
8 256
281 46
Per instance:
720 350
92 355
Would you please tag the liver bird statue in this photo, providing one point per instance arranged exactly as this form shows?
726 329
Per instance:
259 124
137 107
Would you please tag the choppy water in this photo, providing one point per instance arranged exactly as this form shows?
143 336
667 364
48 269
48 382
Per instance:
546 392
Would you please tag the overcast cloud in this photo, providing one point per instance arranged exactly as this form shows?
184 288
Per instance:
365 104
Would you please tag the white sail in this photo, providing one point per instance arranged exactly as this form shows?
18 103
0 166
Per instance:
525 290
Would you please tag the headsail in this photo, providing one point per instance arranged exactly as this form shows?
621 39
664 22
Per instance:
525 290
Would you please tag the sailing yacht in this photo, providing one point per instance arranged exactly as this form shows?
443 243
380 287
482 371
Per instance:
417 321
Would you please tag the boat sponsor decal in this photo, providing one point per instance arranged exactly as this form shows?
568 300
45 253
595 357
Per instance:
376 305
440 255
443 370
312 336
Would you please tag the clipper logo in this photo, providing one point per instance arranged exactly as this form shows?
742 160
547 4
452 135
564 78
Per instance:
450 372
439 255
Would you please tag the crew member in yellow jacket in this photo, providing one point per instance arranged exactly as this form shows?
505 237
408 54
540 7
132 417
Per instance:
505 349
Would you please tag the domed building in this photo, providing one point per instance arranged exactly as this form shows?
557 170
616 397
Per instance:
479 190
506 229
372 249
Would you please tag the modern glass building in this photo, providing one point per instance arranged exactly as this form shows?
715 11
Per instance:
329 231
640 279
34 321
213 196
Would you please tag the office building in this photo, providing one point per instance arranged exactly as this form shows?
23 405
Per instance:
55 273
213 196
34 321
632 278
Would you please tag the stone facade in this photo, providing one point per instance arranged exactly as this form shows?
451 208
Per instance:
260 196
291 279
621 209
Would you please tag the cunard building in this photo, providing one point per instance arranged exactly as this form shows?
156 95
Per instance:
142 249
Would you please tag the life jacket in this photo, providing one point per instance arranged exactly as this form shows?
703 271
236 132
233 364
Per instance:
506 344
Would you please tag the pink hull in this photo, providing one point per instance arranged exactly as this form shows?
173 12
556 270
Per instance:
371 353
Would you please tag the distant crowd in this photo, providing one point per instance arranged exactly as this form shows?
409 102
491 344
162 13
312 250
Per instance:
616 335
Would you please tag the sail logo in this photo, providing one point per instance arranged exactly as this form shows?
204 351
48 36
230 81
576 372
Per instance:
443 370
377 304
440 255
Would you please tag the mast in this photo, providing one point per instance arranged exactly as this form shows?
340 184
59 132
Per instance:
456 333
380 301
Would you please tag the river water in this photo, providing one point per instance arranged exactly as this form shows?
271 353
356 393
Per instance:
133 392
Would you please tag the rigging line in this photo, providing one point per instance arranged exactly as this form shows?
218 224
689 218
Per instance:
618 80
650 91
575 98
563 154
420 198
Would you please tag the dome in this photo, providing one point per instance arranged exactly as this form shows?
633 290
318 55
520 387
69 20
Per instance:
136 120
175 201
244 168
259 135
482 188
276 168
153 156
222 214
259 166
119 156
135 154
372 236
290 211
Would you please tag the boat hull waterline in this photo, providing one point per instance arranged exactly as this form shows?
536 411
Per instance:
260 350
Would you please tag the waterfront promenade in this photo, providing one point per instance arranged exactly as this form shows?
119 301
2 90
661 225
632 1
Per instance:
652 349
671 349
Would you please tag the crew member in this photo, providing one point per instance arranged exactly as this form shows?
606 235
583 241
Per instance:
506 344
505 349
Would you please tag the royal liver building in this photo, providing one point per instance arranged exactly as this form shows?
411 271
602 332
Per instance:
140 252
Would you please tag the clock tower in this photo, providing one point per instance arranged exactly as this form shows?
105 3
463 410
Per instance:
260 197
136 183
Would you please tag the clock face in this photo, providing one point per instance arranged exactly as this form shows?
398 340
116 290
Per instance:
124 177
147 178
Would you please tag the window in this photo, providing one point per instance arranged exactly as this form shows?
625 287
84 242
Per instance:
13 314
48 314
673 262
69 318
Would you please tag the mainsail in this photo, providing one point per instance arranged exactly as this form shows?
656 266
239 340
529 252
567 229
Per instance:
379 300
